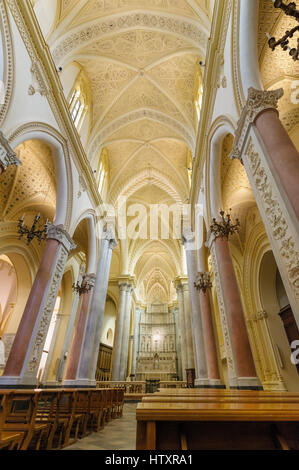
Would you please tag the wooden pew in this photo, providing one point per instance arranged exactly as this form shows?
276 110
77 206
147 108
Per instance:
257 424
20 417
8 439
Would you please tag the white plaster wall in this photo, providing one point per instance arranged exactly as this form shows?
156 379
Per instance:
45 11
225 96
24 108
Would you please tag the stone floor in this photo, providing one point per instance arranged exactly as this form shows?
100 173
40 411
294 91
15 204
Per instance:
119 434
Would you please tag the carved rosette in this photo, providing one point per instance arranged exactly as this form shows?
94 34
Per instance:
203 282
7 155
257 102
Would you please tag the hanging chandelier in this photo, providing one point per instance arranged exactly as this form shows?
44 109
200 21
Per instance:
224 227
33 232
290 10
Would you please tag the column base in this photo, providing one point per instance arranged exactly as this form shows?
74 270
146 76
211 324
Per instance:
245 383
53 384
79 383
15 382
201 383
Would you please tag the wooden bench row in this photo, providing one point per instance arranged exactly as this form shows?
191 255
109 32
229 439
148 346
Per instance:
54 418
196 419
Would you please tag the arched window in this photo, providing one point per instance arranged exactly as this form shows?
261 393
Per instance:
103 171
79 99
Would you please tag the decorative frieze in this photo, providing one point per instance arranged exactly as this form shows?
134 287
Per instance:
257 102
7 156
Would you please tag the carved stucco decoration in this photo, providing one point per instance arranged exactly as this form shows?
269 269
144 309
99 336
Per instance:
66 245
9 58
223 319
87 34
277 221
7 155
257 102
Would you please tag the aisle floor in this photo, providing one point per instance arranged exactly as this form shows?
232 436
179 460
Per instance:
119 434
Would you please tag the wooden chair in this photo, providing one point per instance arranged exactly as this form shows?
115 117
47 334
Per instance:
8 439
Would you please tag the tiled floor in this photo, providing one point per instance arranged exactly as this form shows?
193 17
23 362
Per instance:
119 434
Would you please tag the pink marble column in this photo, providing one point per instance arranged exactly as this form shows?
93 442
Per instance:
233 305
282 152
76 346
22 339
25 355
210 341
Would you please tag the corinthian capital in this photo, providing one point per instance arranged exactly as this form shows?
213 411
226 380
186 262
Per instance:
257 102
58 232
109 234
7 155
203 282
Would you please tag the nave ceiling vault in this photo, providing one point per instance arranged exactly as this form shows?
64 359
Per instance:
141 58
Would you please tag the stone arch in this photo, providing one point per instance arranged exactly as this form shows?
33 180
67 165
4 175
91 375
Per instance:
219 129
89 216
61 157
6 62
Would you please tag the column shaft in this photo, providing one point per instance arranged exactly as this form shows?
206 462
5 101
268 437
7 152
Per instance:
92 335
125 336
23 361
135 341
233 305
282 152
118 332
77 341
210 341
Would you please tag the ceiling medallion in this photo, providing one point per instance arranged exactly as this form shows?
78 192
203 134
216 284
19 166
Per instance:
283 42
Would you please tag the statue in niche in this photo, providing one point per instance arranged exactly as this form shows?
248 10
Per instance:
156 361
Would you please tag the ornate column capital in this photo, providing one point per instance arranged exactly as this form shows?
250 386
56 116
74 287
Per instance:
257 102
109 235
7 155
187 237
89 281
203 282
58 232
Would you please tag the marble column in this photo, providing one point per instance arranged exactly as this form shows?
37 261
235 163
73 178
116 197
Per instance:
188 327
203 285
177 342
92 336
182 328
119 331
24 358
7 156
135 341
242 372
126 335
79 328
198 333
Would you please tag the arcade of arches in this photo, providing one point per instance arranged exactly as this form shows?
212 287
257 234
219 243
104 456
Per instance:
128 125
